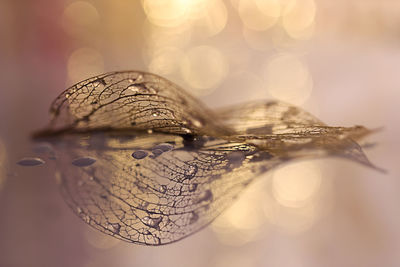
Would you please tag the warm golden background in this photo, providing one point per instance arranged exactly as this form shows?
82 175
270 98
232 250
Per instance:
338 59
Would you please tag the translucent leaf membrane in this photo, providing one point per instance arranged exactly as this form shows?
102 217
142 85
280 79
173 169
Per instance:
153 165
156 199
288 131
129 100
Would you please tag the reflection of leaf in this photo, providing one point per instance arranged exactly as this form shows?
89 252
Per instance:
143 161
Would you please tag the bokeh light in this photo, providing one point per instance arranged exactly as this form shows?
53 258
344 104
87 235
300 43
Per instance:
80 17
83 63
166 13
298 197
258 40
288 78
271 8
209 17
292 220
245 219
165 60
159 41
203 68
243 83
295 184
158 37
99 240
259 15
298 18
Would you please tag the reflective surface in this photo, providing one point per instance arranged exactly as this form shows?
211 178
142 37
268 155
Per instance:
350 51
188 162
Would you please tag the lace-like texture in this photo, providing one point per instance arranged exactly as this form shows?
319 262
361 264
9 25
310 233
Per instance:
143 161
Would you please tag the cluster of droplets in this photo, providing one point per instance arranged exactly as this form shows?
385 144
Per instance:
155 152
86 160
30 161
43 149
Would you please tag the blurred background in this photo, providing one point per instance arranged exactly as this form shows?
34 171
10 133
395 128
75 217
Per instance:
337 59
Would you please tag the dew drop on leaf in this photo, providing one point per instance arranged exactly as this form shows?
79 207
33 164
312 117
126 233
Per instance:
164 147
83 161
43 147
163 188
194 217
157 152
205 196
152 222
30 162
190 171
192 187
139 154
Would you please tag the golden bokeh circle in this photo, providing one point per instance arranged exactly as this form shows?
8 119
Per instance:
258 19
83 63
203 68
288 78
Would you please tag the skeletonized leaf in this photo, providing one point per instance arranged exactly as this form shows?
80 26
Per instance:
130 100
143 161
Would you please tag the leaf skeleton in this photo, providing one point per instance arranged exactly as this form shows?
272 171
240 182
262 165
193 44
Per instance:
140 159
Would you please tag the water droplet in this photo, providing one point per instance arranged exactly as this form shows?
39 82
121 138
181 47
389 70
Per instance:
157 152
149 131
86 218
114 227
186 130
193 142
52 155
143 204
196 123
139 154
101 81
83 161
192 187
205 196
43 148
193 218
191 171
155 114
31 162
152 222
165 147
260 156
133 89
235 158
163 188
